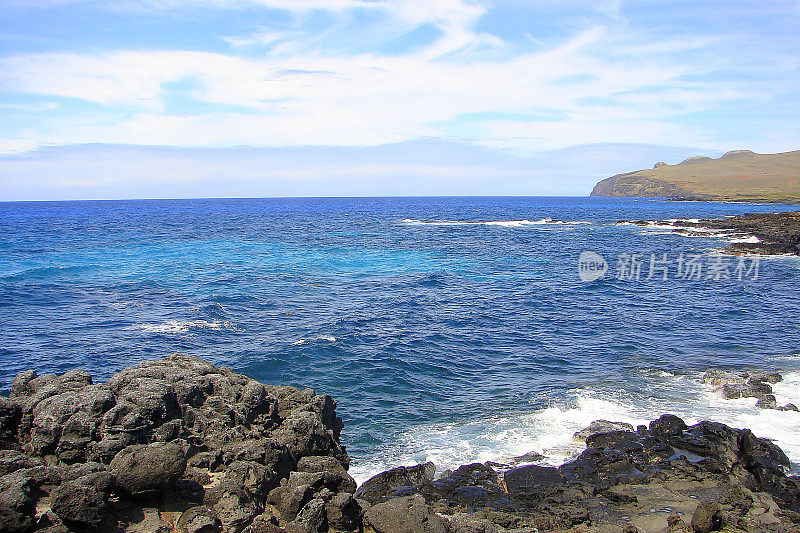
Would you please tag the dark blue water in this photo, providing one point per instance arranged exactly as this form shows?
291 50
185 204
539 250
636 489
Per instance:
407 324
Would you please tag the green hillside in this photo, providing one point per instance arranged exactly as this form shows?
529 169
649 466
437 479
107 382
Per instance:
740 175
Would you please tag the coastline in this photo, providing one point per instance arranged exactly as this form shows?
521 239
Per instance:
180 444
759 234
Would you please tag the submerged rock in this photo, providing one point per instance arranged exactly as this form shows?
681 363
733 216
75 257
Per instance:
600 426
747 384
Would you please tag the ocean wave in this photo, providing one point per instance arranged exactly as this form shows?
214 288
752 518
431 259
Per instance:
325 338
173 327
503 223
44 272
549 431
674 226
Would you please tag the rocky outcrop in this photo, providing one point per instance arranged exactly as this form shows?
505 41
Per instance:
180 445
777 233
747 384
171 445
755 233
665 477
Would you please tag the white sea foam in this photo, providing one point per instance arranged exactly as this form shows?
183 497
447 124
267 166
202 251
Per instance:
752 239
326 338
503 223
550 431
653 227
173 327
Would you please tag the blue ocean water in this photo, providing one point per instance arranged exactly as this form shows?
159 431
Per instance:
452 329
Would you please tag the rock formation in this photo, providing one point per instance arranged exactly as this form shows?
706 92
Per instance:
170 445
180 445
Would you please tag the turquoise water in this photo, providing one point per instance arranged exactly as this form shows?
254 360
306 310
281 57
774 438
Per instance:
439 335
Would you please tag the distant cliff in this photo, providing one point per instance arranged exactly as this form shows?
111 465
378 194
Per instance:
740 175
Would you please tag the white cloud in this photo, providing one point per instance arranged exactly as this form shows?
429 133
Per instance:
631 85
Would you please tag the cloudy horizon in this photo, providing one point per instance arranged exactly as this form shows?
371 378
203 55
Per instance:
153 98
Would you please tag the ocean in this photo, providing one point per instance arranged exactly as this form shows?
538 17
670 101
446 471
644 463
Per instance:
448 329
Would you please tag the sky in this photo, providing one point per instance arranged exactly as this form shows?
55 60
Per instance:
179 98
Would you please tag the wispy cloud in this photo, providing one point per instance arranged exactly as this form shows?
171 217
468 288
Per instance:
311 80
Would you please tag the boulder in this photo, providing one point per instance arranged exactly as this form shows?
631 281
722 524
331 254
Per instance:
310 519
526 458
236 508
148 470
532 478
343 512
382 486
79 505
600 426
767 402
178 443
706 517
409 514
668 425
198 519
751 389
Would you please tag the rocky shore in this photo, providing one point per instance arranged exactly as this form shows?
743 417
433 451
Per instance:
760 233
180 445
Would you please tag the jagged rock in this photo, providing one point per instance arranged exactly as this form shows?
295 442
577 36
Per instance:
235 508
310 519
17 496
409 514
767 402
253 477
13 521
321 463
768 377
262 458
744 384
13 460
470 486
751 389
718 378
383 486
343 512
177 429
601 426
263 524
10 414
532 478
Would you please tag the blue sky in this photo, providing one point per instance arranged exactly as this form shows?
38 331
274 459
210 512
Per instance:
505 97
